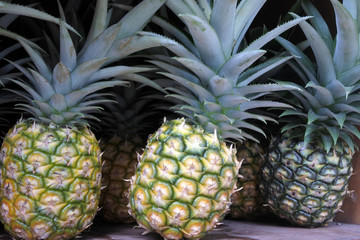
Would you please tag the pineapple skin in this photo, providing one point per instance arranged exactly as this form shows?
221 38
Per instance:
248 204
119 162
50 181
305 184
183 181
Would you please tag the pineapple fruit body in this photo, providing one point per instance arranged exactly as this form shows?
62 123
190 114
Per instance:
50 181
304 184
183 182
120 159
248 203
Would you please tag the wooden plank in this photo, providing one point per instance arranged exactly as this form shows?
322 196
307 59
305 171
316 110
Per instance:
233 230
351 205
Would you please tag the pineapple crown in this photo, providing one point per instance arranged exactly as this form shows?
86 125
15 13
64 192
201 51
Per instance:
133 112
69 92
212 74
327 106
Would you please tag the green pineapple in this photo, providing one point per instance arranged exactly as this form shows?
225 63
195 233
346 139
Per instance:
50 162
125 127
306 173
187 173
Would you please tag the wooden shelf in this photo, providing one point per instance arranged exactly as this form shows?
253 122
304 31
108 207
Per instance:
230 230
233 230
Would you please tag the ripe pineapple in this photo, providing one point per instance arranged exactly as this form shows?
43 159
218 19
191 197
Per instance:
50 163
307 169
186 175
125 127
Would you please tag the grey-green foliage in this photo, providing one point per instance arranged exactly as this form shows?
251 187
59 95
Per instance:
329 101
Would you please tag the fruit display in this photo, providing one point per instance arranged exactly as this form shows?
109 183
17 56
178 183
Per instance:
186 175
175 116
126 125
307 169
51 161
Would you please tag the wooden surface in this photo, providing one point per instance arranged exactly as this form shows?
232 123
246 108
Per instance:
234 230
230 230
351 205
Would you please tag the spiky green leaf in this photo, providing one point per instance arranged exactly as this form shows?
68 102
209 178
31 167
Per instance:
206 40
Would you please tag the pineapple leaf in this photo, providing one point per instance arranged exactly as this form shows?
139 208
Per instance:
32 92
327 141
42 85
202 93
347 38
334 133
203 72
39 62
290 112
323 94
206 40
353 130
256 104
238 63
218 117
61 79
220 86
310 129
141 79
29 109
326 68
85 71
260 88
58 102
245 14
339 117
318 22
267 37
99 46
98 23
348 140
179 35
185 99
115 71
293 125
304 73
75 96
177 74
15 36
137 18
312 117
68 53
231 100
44 107
342 107
177 48
353 7
299 56
252 74
10 8
351 76
206 8
338 90
186 7
223 20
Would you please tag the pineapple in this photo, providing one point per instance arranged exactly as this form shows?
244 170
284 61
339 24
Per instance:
187 173
125 127
248 203
305 177
50 162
